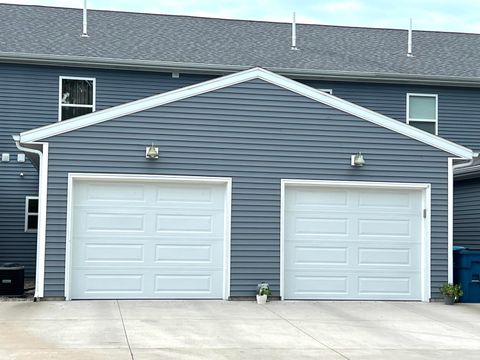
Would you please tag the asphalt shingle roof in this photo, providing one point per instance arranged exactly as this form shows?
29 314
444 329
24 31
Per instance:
49 32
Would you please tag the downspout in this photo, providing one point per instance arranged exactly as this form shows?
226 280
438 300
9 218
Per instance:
451 171
467 163
42 196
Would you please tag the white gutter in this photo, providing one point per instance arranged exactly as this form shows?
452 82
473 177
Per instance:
463 167
42 211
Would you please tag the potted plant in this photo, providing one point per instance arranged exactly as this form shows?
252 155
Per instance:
451 293
263 292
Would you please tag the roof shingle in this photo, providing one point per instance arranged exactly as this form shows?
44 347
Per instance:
49 32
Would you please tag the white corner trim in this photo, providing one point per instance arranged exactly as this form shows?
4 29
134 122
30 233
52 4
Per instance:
74 177
229 80
42 213
427 246
450 220
227 249
283 184
426 222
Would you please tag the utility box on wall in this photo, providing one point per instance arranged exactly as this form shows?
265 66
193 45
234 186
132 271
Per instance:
11 279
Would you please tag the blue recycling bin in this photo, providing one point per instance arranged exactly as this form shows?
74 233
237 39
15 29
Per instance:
466 271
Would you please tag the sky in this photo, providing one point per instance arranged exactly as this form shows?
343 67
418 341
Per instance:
440 15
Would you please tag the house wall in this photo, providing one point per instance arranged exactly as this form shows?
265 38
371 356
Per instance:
466 213
29 99
257 134
458 107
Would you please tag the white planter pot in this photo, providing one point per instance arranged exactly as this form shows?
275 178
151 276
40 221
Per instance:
261 299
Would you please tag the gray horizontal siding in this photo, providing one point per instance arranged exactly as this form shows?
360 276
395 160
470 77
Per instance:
466 219
257 134
458 108
29 99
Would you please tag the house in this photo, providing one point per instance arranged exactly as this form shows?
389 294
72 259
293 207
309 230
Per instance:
184 157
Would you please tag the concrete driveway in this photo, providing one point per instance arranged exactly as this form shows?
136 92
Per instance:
238 330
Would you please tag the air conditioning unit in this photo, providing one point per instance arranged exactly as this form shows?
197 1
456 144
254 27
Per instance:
11 279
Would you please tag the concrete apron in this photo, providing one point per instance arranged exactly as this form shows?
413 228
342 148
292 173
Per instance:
238 330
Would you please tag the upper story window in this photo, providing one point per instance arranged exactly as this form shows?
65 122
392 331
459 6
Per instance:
77 97
422 112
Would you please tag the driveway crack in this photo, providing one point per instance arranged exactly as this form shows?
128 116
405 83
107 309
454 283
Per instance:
307 334
125 331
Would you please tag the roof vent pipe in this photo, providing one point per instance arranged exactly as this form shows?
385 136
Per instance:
85 23
409 50
294 34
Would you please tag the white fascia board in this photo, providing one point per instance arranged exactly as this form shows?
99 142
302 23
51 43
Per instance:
229 80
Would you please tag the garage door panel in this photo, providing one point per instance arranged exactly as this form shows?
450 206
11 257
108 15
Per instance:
107 253
385 285
369 249
321 225
313 286
107 284
102 284
332 285
315 255
187 283
114 222
385 256
387 200
189 254
312 253
95 192
118 283
315 197
96 251
186 193
180 223
152 243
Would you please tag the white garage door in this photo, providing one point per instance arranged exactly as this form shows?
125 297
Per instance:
147 239
352 243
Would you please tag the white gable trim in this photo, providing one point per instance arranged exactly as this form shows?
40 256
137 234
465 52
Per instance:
229 80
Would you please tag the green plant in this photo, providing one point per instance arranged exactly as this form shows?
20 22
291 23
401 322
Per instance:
264 289
452 290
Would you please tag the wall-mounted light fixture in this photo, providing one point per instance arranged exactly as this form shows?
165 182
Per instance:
357 160
151 152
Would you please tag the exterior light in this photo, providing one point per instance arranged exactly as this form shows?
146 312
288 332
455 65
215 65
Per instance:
151 152
357 160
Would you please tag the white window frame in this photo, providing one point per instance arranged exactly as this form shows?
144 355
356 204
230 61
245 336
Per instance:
423 120
60 105
27 214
